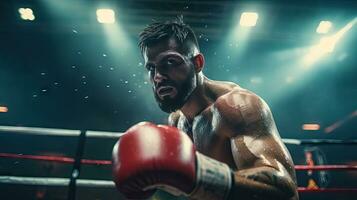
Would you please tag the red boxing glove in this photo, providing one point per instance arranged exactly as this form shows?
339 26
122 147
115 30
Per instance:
148 157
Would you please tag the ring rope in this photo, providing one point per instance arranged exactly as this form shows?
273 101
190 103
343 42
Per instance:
319 142
318 190
326 167
49 181
57 132
63 159
116 135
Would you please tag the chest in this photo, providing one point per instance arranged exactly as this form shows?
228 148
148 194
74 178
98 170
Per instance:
207 133
200 129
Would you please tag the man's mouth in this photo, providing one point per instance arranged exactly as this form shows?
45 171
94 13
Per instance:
164 91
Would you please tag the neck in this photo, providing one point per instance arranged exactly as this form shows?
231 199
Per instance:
198 101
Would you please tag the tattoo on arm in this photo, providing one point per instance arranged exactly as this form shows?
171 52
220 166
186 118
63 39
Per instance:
262 183
264 177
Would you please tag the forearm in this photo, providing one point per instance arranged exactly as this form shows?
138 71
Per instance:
215 181
262 183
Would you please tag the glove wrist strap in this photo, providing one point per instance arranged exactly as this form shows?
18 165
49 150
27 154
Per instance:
214 179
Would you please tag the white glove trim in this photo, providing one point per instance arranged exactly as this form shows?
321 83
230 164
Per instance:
214 179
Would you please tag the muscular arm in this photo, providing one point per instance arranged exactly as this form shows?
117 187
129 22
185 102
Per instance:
264 166
265 174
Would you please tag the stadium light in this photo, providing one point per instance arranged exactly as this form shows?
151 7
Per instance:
3 109
310 127
26 14
327 44
248 19
105 16
324 27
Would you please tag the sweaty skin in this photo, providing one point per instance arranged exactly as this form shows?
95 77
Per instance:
237 128
230 124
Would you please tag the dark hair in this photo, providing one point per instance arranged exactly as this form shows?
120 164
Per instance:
161 31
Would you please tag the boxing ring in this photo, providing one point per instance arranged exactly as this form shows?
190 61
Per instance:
77 161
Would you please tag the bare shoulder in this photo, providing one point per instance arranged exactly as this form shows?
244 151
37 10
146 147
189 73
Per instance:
242 108
174 118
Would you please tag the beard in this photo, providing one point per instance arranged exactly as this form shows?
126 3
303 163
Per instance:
184 90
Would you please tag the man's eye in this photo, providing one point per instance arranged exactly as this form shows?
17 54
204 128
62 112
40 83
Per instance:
171 62
150 67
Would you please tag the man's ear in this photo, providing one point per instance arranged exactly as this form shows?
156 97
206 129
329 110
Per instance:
199 62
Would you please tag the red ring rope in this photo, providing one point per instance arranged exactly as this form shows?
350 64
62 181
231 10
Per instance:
63 159
308 190
326 167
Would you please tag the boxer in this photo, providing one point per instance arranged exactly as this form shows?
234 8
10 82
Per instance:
221 142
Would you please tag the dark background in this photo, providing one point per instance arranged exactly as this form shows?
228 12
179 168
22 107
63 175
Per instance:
66 70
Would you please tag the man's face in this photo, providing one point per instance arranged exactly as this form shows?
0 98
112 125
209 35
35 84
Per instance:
171 73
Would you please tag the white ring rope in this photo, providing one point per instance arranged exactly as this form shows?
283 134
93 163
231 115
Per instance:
291 141
39 131
48 181
116 135
104 134
57 132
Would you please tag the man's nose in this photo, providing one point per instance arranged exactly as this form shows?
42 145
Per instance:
159 77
